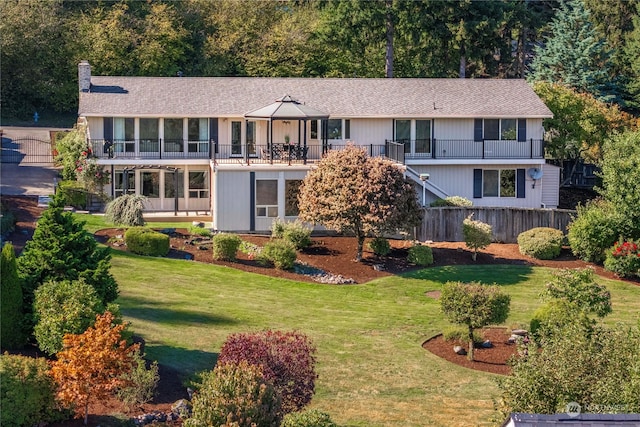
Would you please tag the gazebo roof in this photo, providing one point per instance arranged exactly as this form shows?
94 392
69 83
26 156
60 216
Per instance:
287 108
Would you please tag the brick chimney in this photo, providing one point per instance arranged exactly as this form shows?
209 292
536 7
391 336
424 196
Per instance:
84 76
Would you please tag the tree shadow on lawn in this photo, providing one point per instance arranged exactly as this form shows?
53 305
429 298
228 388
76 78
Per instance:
143 309
488 274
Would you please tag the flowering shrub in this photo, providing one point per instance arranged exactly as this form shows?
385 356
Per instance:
92 176
624 258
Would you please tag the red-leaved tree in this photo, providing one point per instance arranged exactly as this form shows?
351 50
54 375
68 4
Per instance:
286 358
91 364
352 192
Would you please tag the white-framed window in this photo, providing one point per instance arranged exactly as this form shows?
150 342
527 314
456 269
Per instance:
314 130
150 181
267 198
124 135
198 184
198 135
173 135
170 184
499 183
339 129
500 129
118 183
149 136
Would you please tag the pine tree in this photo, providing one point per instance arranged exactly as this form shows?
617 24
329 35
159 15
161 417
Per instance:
574 54
11 316
62 250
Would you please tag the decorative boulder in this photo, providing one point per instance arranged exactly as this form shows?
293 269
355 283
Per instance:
520 332
182 408
486 344
459 350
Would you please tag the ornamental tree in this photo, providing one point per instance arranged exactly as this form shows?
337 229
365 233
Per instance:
577 287
91 365
477 235
11 316
287 361
474 305
62 250
354 193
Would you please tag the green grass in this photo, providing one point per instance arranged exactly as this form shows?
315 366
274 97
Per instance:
372 368
94 223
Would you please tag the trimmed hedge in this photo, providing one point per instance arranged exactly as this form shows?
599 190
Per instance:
145 241
73 193
225 246
541 242
452 201
309 418
295 232
420 255
27 392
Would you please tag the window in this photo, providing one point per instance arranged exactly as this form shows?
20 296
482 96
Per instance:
499 183
500 129
291 190
149 135
170 183
347 129
198 185
173 135
124 135
236 138
314 129
198 134
267 198
150 184
251 137
335 128
403 134
118 183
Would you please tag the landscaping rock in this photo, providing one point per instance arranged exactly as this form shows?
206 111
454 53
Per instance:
181 407
519 332
198 224
459 350
378 267
486 344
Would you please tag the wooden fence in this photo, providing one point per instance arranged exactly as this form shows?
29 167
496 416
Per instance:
445 224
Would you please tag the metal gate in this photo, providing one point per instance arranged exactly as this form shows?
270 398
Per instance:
26 150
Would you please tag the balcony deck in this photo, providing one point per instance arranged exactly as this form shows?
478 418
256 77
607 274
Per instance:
399 151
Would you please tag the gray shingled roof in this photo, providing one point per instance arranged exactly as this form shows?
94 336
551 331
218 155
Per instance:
345 98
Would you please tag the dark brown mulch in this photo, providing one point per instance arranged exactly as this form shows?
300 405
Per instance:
492 360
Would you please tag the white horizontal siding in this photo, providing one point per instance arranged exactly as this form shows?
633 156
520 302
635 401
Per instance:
457 180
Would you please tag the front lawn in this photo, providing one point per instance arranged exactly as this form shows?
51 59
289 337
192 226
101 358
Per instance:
372 368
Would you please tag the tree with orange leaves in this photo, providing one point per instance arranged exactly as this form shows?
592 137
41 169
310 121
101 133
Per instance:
90 366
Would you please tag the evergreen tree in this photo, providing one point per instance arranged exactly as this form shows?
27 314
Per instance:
62 250
11 316
632 57
574 54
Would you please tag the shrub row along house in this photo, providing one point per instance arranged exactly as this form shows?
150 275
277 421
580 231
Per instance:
238 147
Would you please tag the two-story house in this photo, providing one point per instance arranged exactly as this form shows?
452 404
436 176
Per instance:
238 147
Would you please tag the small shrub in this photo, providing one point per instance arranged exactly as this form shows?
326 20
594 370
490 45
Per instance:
200 231
420 255
63 307
541 242
310 418
295 232
225 246
298 234
27 392
141 382
461 335
287 361
7 221
380 246
624 258
234 394
73 193
145 241
277 228
452 201
477 235
594 231
281 253
250 249
126 210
